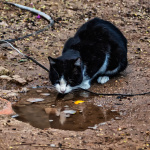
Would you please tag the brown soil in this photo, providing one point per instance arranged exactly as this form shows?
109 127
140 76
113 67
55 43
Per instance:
129 132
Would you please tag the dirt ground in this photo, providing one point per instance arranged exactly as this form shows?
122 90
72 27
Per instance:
130 131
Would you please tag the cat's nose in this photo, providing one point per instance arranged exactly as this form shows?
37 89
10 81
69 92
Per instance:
62 91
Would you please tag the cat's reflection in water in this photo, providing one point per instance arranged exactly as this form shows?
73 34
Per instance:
55 114
78 117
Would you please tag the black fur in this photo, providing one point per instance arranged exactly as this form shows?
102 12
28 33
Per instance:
92 42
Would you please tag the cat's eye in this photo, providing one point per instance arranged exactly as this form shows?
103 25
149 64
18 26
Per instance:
55 71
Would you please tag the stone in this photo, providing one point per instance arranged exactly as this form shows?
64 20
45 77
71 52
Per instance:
5 77
24 90
30 68
18 79
29 79
3 71
13 94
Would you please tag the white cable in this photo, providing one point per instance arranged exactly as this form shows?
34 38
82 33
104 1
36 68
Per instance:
13 47
47 17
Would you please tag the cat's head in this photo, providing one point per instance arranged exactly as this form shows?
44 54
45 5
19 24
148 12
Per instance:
64 74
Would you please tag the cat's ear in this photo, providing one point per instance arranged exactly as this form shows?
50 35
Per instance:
78 62
51 60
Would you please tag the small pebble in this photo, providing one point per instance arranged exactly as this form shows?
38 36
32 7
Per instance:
100 105
45 94
35 100
69 111
117 118
14 116
38 91
53 145
86 19
51 120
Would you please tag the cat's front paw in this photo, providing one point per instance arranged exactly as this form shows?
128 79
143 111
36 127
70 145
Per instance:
103 79
85 85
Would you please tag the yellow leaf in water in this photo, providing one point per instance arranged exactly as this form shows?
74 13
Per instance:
78 102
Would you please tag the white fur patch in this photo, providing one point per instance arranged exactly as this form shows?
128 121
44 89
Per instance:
62 84
63 87
103 79
85 84
112 71
103 67
86 80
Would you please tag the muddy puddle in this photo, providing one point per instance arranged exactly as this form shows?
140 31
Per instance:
44 108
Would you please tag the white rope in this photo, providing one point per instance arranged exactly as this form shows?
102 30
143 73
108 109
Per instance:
47 17
13 47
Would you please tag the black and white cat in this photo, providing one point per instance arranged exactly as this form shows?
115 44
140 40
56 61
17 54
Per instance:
98 50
